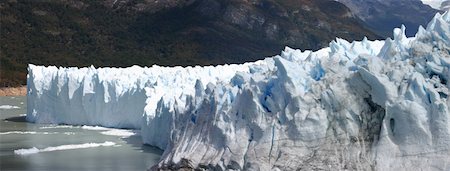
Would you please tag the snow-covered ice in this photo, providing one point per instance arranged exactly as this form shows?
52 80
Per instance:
35 150
364 105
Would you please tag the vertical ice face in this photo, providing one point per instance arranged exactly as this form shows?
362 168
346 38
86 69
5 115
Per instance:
354 105
105 96
416 128
111 97
359 105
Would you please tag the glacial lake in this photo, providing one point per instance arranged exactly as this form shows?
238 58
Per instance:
29 146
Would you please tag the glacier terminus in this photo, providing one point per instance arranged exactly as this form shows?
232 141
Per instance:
363 105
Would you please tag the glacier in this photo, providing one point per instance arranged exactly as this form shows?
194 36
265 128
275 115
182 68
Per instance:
363 105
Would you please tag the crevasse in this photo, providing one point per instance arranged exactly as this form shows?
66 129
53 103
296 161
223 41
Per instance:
368 105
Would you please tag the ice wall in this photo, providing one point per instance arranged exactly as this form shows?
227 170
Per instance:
111 97
353 106
369 105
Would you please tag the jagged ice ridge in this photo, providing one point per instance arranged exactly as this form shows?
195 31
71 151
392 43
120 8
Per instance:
365 105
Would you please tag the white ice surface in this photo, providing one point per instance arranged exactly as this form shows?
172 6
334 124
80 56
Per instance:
35 150
35 133
9 107
57 126
119 132
27 132
95 128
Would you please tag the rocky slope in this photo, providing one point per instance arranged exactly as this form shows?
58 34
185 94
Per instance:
384 15
146 32
13 91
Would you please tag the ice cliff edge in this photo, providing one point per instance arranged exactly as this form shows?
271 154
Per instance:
368 105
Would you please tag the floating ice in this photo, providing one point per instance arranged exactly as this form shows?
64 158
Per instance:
95 128
19 132
27 132
57 126
9 107
35 150
111 131
119 132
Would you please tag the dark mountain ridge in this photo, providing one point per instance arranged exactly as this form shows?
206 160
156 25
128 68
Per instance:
382 16
146 32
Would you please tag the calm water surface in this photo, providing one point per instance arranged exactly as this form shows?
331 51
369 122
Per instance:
64 147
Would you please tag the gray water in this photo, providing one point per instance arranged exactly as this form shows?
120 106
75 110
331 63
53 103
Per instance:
15 133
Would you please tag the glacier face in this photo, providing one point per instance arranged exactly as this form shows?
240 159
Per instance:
365 105
111 97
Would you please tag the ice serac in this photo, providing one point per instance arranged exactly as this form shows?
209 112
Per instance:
110 97
365 105
368 105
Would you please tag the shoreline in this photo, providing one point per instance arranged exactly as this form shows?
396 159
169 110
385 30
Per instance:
13 91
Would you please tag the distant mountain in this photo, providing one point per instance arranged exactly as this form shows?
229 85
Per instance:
438 4
170 32
384 15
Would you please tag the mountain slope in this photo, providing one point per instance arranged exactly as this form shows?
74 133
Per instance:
134 32
384 15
